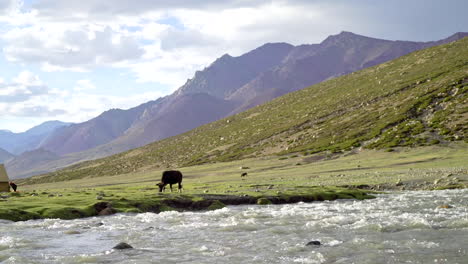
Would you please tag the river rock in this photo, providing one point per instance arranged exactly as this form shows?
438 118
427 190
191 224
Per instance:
445 206
314 243
104 208
107 211
72 232
399 183
263 201
122 245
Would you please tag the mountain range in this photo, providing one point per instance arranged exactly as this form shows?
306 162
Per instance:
419 99
17 143
229 85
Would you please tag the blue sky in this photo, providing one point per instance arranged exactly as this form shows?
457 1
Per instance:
72 60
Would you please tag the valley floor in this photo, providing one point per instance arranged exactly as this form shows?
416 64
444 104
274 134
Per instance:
275 179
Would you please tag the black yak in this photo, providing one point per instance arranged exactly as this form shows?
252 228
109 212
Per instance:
170 177
14 186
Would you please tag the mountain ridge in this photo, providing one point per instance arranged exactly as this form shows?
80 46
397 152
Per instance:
290 69
17 143
416 100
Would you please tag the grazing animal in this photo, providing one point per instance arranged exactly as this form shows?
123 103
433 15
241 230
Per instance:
14 186
170 177
244 174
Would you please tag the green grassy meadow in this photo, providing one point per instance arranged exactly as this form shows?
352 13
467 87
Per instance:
281 179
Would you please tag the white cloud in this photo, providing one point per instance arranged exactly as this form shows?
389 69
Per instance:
9 6
170 68
26 97
165 42
84 85
22 88
78 48
27 78
84 8
36 111
159 41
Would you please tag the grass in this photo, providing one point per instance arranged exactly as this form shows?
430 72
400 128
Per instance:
269 180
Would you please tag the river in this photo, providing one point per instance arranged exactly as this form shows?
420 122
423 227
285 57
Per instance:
406 227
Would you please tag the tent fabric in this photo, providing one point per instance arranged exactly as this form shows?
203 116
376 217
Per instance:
3 174
4 187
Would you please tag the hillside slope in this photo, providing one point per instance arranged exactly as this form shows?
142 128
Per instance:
418 99
232 84
5 155
28 160
310 64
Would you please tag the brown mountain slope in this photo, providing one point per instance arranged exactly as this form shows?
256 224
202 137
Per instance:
240 83
309 64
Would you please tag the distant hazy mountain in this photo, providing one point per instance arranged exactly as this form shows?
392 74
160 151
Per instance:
229 85
5 155
25 164
18 143
99 130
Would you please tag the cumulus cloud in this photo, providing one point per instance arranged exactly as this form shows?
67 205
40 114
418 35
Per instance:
27 97
84 85
130 7
8 6
174 38
23 87
76 49
36 111
165 42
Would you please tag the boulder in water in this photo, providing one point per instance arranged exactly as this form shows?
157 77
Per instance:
104 208
72 232
107 211
263 201
122 245
445 206
314 243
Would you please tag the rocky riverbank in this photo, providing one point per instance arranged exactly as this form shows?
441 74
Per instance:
447 181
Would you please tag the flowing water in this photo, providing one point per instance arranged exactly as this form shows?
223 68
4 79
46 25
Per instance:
405 227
